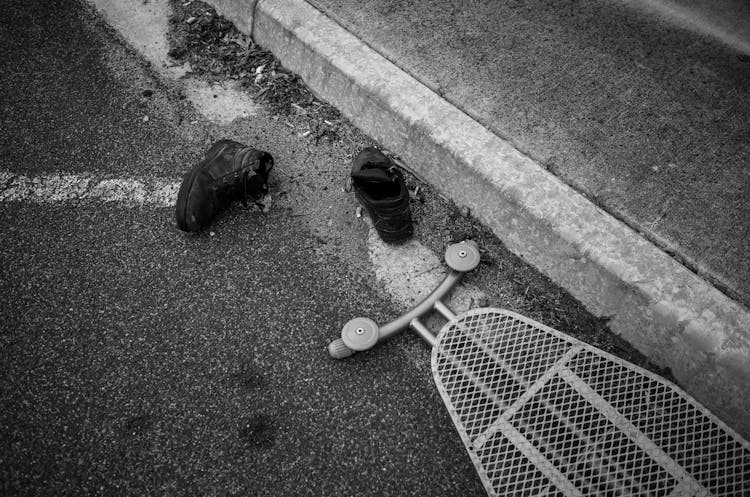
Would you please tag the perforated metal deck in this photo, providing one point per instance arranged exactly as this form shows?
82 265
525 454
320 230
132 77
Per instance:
541 413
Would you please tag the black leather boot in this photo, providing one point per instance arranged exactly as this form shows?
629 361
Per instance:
231 171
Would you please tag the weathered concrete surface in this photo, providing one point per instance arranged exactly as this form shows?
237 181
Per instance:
668 312
628 101
725 20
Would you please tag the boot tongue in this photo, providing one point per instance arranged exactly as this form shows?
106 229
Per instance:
374 175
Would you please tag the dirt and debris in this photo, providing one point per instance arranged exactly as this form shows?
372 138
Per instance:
218 51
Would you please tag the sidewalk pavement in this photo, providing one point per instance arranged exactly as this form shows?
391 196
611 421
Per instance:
602 143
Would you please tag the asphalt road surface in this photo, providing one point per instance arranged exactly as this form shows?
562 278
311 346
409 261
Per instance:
139 360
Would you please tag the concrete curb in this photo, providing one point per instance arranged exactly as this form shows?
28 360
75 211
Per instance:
666 311
241 12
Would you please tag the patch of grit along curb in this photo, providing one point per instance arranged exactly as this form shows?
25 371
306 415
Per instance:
666 311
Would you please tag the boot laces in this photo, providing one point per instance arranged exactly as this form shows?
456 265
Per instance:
234 187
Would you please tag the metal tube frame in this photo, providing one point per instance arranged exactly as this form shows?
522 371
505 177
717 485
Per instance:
431 303
361 334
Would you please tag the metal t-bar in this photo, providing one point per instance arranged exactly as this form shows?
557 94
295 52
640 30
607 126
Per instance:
431 303
360 334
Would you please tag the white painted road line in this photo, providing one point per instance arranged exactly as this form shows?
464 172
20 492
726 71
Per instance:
60 187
